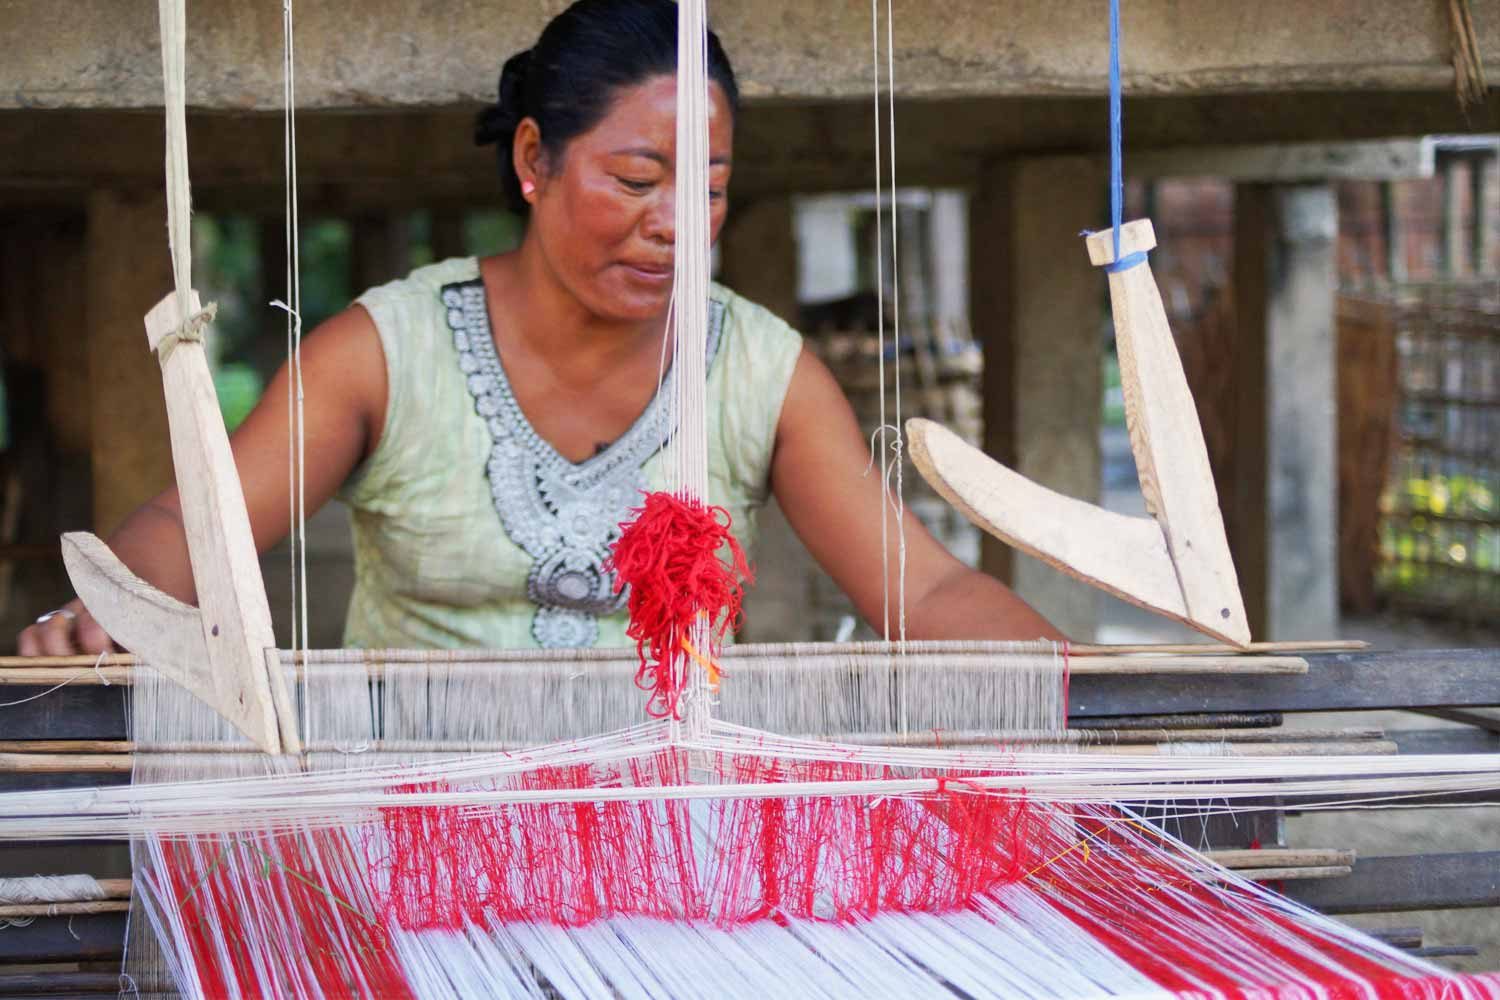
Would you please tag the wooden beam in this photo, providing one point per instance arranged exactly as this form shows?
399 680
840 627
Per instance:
88 938
1410 882
1280 491
1454 739
128 269
1034 307
417 158
758 254
1334 683
64 984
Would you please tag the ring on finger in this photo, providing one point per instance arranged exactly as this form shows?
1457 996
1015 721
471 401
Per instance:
59 613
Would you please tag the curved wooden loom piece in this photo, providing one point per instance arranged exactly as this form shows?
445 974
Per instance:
217 651
1176 562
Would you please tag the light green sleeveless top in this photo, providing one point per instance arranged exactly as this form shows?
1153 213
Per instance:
470 530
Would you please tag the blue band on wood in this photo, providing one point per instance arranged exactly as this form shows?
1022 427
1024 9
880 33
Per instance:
1127 262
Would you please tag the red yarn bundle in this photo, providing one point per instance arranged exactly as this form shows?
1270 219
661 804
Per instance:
668 554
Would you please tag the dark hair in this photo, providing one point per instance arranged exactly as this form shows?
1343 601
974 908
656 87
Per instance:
568 80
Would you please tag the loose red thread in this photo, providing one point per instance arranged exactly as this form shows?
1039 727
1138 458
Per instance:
668 554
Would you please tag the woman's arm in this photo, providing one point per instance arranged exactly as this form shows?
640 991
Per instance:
819 477
344 394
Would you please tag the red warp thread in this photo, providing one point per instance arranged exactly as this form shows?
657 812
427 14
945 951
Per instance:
668 555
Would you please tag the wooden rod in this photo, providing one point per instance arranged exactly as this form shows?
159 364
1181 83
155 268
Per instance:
1292 874
66 746
65 909
1197 648
122 763
1281 857
747 651
49 674
948 738
82 660
65 763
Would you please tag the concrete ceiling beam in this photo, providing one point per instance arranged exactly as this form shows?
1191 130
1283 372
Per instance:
395 54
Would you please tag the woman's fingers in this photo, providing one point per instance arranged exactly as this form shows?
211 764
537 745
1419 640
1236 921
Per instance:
51 635
65 632
90 635
29 642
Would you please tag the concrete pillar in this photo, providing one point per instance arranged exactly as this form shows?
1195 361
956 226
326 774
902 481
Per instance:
129 270
1393 231
1280 501
947 227
758 254
1481 182
825 221
1037 307
1450 232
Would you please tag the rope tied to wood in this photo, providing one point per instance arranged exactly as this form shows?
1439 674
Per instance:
189 331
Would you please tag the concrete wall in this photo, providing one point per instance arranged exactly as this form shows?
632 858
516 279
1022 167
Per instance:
103 53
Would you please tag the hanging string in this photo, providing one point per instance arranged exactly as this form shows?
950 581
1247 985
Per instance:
887 437
173 15
898 444
883 427
1116 182
296 433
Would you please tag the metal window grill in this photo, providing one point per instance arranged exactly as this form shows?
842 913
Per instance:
1439 533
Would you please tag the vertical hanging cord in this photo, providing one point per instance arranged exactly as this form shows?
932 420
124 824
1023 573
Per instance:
296 433
1116 185
1116 180
880 431
173 17
899 429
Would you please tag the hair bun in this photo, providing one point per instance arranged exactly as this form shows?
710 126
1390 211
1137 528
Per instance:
497 123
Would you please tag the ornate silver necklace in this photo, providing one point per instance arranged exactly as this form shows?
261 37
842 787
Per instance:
564 515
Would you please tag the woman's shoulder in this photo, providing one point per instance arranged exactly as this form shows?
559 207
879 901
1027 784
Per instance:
752 325
425 284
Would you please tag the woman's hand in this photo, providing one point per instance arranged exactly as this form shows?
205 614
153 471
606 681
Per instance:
68 631
343 369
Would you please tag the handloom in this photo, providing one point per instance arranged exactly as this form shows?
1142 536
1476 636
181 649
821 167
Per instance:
781 820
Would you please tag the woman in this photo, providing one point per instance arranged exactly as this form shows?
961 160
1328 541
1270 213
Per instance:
490 421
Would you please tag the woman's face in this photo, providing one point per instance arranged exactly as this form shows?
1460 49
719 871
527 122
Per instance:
604 215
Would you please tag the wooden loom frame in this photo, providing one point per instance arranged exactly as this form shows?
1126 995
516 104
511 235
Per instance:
1176 562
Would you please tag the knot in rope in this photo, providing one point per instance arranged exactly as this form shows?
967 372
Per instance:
189 331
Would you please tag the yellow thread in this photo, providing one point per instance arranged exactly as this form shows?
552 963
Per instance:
705 663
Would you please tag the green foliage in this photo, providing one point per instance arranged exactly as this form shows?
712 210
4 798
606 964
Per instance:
487 233
248 335
325 272
1114 398
1440 542
239 387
